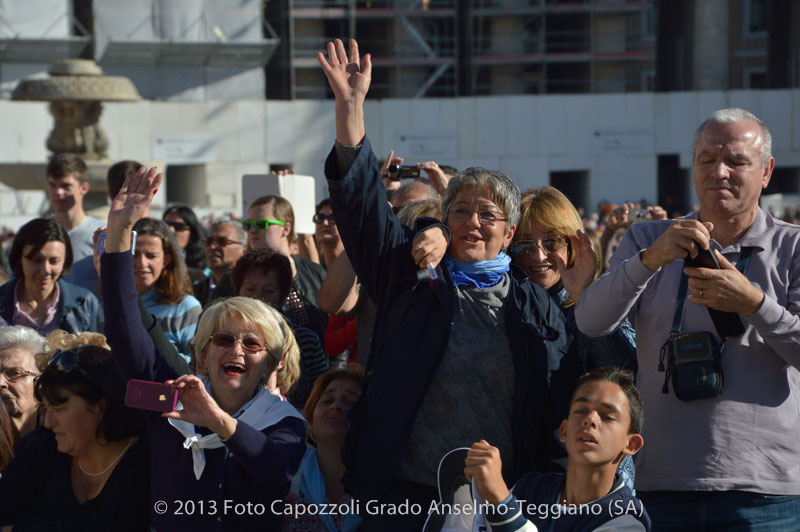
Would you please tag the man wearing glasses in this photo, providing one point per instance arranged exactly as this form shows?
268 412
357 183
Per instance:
224 246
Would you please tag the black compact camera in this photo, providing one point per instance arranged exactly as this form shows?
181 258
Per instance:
397 172
694 364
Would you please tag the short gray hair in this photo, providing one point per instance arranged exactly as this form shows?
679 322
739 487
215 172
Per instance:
500 188
239 231
408 188
734 115
20 337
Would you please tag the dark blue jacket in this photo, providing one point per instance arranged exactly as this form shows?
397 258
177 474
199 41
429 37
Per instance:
79 307
412 328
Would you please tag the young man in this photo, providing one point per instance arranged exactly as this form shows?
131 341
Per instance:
67 184
605 418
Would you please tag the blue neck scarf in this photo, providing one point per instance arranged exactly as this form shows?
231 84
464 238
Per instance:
313 486
480 274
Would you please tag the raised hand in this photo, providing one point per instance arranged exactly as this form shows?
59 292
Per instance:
436 177
577 278
134 198
349 78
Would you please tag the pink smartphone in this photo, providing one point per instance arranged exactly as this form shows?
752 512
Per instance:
149 395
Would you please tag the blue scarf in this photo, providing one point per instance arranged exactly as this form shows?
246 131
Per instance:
313 486
481 274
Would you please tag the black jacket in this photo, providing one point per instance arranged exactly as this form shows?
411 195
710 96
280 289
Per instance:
411 334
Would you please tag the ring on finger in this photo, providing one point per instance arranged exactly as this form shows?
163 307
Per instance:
701 293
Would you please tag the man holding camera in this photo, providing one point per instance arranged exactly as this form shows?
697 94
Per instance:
721 384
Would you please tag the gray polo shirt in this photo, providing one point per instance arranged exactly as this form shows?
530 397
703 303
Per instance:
748 437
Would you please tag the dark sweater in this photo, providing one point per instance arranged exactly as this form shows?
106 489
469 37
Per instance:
254 466
36 491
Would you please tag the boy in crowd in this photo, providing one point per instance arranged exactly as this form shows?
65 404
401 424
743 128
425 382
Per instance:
605 419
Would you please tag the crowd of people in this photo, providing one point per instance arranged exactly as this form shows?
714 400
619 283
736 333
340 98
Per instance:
630 371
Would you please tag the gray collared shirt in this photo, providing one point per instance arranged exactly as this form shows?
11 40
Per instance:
747 438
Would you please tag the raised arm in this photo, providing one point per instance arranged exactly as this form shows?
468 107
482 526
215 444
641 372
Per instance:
337 295
131 345
349 78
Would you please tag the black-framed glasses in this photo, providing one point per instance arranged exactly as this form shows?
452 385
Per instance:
221 241
226 340
320 218
486 217
178 226
260 224
526 248
13 374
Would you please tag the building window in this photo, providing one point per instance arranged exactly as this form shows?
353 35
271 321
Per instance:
754 18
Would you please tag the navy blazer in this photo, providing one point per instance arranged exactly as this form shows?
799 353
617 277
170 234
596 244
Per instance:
412 329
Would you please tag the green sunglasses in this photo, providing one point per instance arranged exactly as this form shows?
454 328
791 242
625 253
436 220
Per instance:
261 224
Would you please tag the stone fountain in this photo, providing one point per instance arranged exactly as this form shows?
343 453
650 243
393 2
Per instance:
76 90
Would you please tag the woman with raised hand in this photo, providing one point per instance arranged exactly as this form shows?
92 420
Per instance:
233 444
472 355
163 282
38 297
90 469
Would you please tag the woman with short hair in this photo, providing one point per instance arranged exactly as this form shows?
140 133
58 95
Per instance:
89 470
475 353
231 443
19 347
38 297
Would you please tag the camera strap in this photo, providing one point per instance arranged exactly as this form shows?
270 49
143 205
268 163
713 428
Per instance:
721 319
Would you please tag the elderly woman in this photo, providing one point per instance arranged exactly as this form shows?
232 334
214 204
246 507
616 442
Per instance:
89 470
38 297
19 346
232 444
319 481
475 354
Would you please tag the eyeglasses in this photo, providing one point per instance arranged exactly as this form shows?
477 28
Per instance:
178 226
14 374
261 224
320 218
227 340
221 241
526 248
485 217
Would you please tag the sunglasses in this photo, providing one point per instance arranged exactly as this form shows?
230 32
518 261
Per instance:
320 218
178 226
69 360
227 341
261 224
526 248
221 241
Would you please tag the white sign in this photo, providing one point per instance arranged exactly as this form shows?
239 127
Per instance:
200 148
420 146
298 189
607 141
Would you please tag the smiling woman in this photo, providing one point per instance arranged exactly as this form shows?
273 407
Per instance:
163 282
231 442
38 297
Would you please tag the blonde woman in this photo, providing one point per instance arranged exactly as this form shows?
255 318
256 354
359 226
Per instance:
232 442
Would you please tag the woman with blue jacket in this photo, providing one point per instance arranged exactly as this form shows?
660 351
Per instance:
37 296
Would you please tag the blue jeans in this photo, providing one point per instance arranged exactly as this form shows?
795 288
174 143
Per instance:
721 511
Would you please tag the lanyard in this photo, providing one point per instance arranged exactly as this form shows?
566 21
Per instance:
720 318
